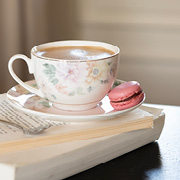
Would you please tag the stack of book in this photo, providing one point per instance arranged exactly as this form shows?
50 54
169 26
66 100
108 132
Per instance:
66 149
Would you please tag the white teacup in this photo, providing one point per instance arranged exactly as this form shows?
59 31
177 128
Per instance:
71 84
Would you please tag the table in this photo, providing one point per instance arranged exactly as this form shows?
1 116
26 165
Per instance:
155 161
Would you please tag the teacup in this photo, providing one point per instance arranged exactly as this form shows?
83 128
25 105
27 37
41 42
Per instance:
76 80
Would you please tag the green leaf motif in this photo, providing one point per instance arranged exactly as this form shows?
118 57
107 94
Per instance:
72 93
104 81
45 104
50 67
34 85
79 90
116 83
50 71
55 81
54 96
90 88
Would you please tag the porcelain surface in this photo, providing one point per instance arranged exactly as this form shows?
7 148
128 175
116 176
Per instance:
71 84
30 103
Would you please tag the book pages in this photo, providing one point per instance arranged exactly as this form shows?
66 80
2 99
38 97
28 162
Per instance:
12 139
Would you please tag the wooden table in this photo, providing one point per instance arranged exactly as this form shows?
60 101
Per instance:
159 160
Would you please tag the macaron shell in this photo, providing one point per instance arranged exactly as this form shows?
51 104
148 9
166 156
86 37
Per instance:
127 104
124 91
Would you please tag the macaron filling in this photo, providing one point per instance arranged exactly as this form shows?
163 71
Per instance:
129 98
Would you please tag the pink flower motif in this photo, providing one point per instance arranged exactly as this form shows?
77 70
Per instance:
62 89
70 72
44 85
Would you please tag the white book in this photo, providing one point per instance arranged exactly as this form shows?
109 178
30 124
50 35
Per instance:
61 159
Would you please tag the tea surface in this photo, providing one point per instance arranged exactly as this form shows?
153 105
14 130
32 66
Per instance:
75 52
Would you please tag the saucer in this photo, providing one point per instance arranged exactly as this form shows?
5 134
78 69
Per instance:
29 103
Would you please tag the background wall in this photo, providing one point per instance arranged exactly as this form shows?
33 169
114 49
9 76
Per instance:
147 32
24 24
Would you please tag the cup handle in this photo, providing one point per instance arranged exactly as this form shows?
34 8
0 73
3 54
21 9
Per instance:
31 71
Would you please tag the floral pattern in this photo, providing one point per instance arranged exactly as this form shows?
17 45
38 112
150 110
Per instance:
97 72
35 102
72 73
76 78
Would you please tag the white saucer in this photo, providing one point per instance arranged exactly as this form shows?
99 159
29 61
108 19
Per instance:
30 103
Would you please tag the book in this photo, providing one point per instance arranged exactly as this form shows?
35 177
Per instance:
137 119
62 150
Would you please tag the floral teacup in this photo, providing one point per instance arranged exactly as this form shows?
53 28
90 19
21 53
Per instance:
70 84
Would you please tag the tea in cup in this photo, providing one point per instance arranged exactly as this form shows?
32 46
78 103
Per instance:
72 75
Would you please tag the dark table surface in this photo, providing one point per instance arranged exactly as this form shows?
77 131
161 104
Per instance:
159 160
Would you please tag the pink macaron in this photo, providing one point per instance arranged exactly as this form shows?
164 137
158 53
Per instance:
126 95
